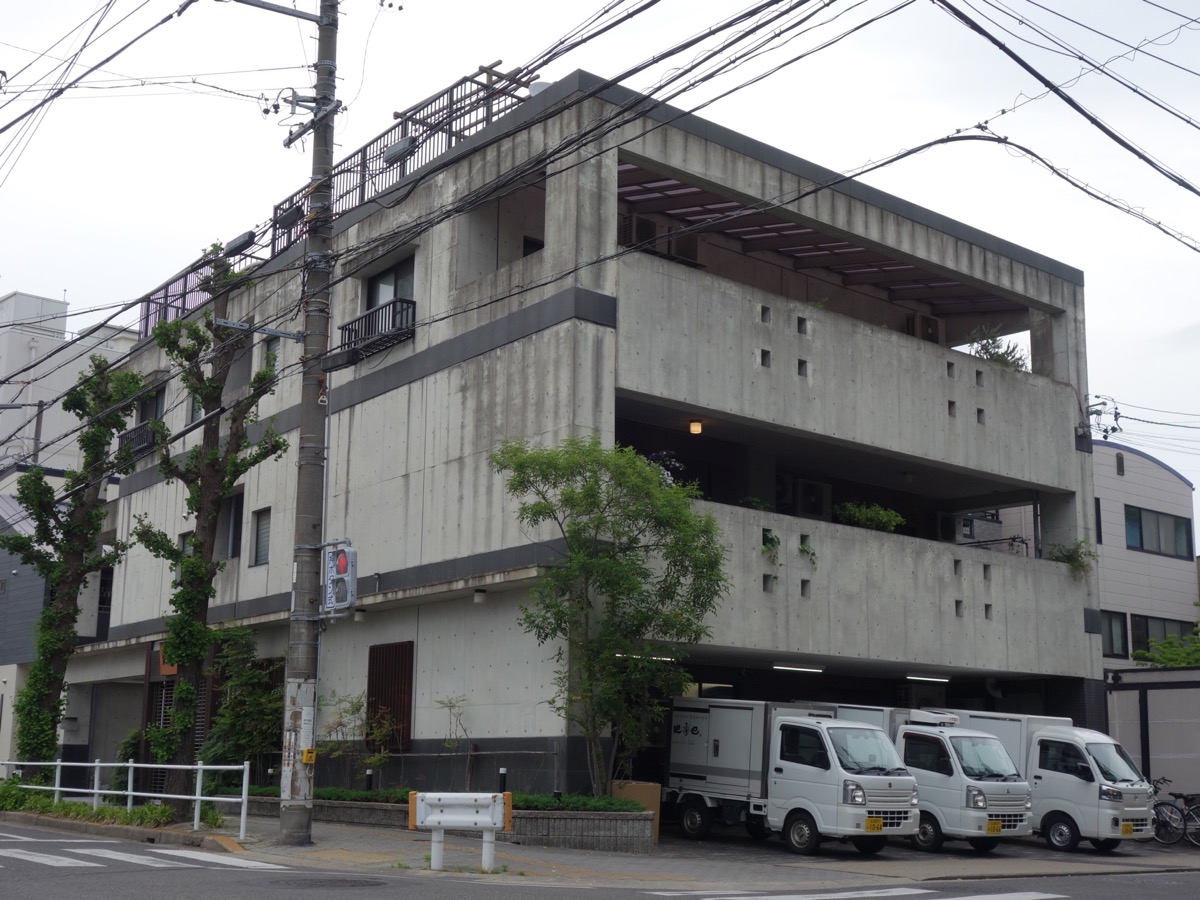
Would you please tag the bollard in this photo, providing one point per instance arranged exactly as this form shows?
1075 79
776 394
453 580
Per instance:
501 788
370 778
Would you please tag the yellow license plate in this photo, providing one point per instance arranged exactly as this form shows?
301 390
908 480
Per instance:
1127 829
994 826
874 823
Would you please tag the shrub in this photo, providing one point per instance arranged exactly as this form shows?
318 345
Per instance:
1079 556
575 803
872 516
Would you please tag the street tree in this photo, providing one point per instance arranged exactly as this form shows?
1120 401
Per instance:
203 351
1172 653
638 571
62 545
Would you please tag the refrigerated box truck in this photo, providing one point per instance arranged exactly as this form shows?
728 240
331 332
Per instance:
1084 783
969 786
775 770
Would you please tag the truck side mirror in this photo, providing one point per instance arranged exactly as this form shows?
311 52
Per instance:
1084 772
821 759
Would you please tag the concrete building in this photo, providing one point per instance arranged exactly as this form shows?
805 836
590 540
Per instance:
41 362
582 261
1148 577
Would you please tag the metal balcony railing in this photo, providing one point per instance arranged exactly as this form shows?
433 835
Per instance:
139 439
379 328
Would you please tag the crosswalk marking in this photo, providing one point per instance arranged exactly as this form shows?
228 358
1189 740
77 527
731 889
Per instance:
837 895
858 895
45 859
151 861
23 839
217 859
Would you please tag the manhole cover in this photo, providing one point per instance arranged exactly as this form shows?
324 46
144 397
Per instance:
330 882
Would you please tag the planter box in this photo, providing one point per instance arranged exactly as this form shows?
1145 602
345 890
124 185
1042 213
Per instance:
615 832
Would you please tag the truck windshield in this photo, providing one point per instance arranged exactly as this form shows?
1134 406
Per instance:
1114 763
865 751
984 758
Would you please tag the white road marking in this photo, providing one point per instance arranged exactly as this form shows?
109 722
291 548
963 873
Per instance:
45 859
152 861
218 859
1015 895
838 895
20 838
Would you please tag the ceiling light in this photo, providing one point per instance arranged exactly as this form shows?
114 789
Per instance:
934 678
695 426
817 670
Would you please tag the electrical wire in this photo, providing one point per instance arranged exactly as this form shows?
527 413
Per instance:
59 91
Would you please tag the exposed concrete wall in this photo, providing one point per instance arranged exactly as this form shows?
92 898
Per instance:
863 384
880 596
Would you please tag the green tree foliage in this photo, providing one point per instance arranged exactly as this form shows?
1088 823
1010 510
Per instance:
640 570
1173 653
62 547
986 343
203 352
248 722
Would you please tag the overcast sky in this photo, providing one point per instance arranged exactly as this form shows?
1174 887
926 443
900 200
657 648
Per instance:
122 181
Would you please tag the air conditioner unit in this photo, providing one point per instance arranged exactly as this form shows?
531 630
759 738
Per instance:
685 247
643 233
927 328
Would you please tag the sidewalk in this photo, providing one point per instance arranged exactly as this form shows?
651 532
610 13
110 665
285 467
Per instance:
729 861
726 862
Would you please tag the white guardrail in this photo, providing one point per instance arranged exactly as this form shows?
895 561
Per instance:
488 813
96 791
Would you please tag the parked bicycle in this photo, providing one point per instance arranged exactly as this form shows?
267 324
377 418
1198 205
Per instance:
1168 825
1189 805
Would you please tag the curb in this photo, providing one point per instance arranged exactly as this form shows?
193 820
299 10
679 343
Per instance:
214 843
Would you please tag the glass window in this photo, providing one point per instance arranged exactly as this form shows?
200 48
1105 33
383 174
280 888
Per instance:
1144 629
802 746
262 537
395 283
927 753
1114 637
1154 532
271 352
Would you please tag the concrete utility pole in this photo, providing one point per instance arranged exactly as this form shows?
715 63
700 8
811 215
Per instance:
300 697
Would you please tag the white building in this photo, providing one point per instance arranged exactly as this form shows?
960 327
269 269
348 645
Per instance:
575 267
41 361
1148 577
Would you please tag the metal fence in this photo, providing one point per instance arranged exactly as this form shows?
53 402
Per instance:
97 792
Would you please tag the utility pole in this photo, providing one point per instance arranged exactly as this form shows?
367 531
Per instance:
300 696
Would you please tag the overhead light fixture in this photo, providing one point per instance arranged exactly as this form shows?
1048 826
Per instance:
816 670
695 426
937 679
393 153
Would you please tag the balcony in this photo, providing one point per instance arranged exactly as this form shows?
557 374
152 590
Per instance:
869 601
374 331
139 440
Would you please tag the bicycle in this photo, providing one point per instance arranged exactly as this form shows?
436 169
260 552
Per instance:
1168 825
1189 804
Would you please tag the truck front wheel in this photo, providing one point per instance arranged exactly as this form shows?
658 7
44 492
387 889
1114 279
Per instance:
800 832
695 818
1061 832
929 834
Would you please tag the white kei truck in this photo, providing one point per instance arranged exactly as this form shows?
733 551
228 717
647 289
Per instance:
773 769
1084 783
969 786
